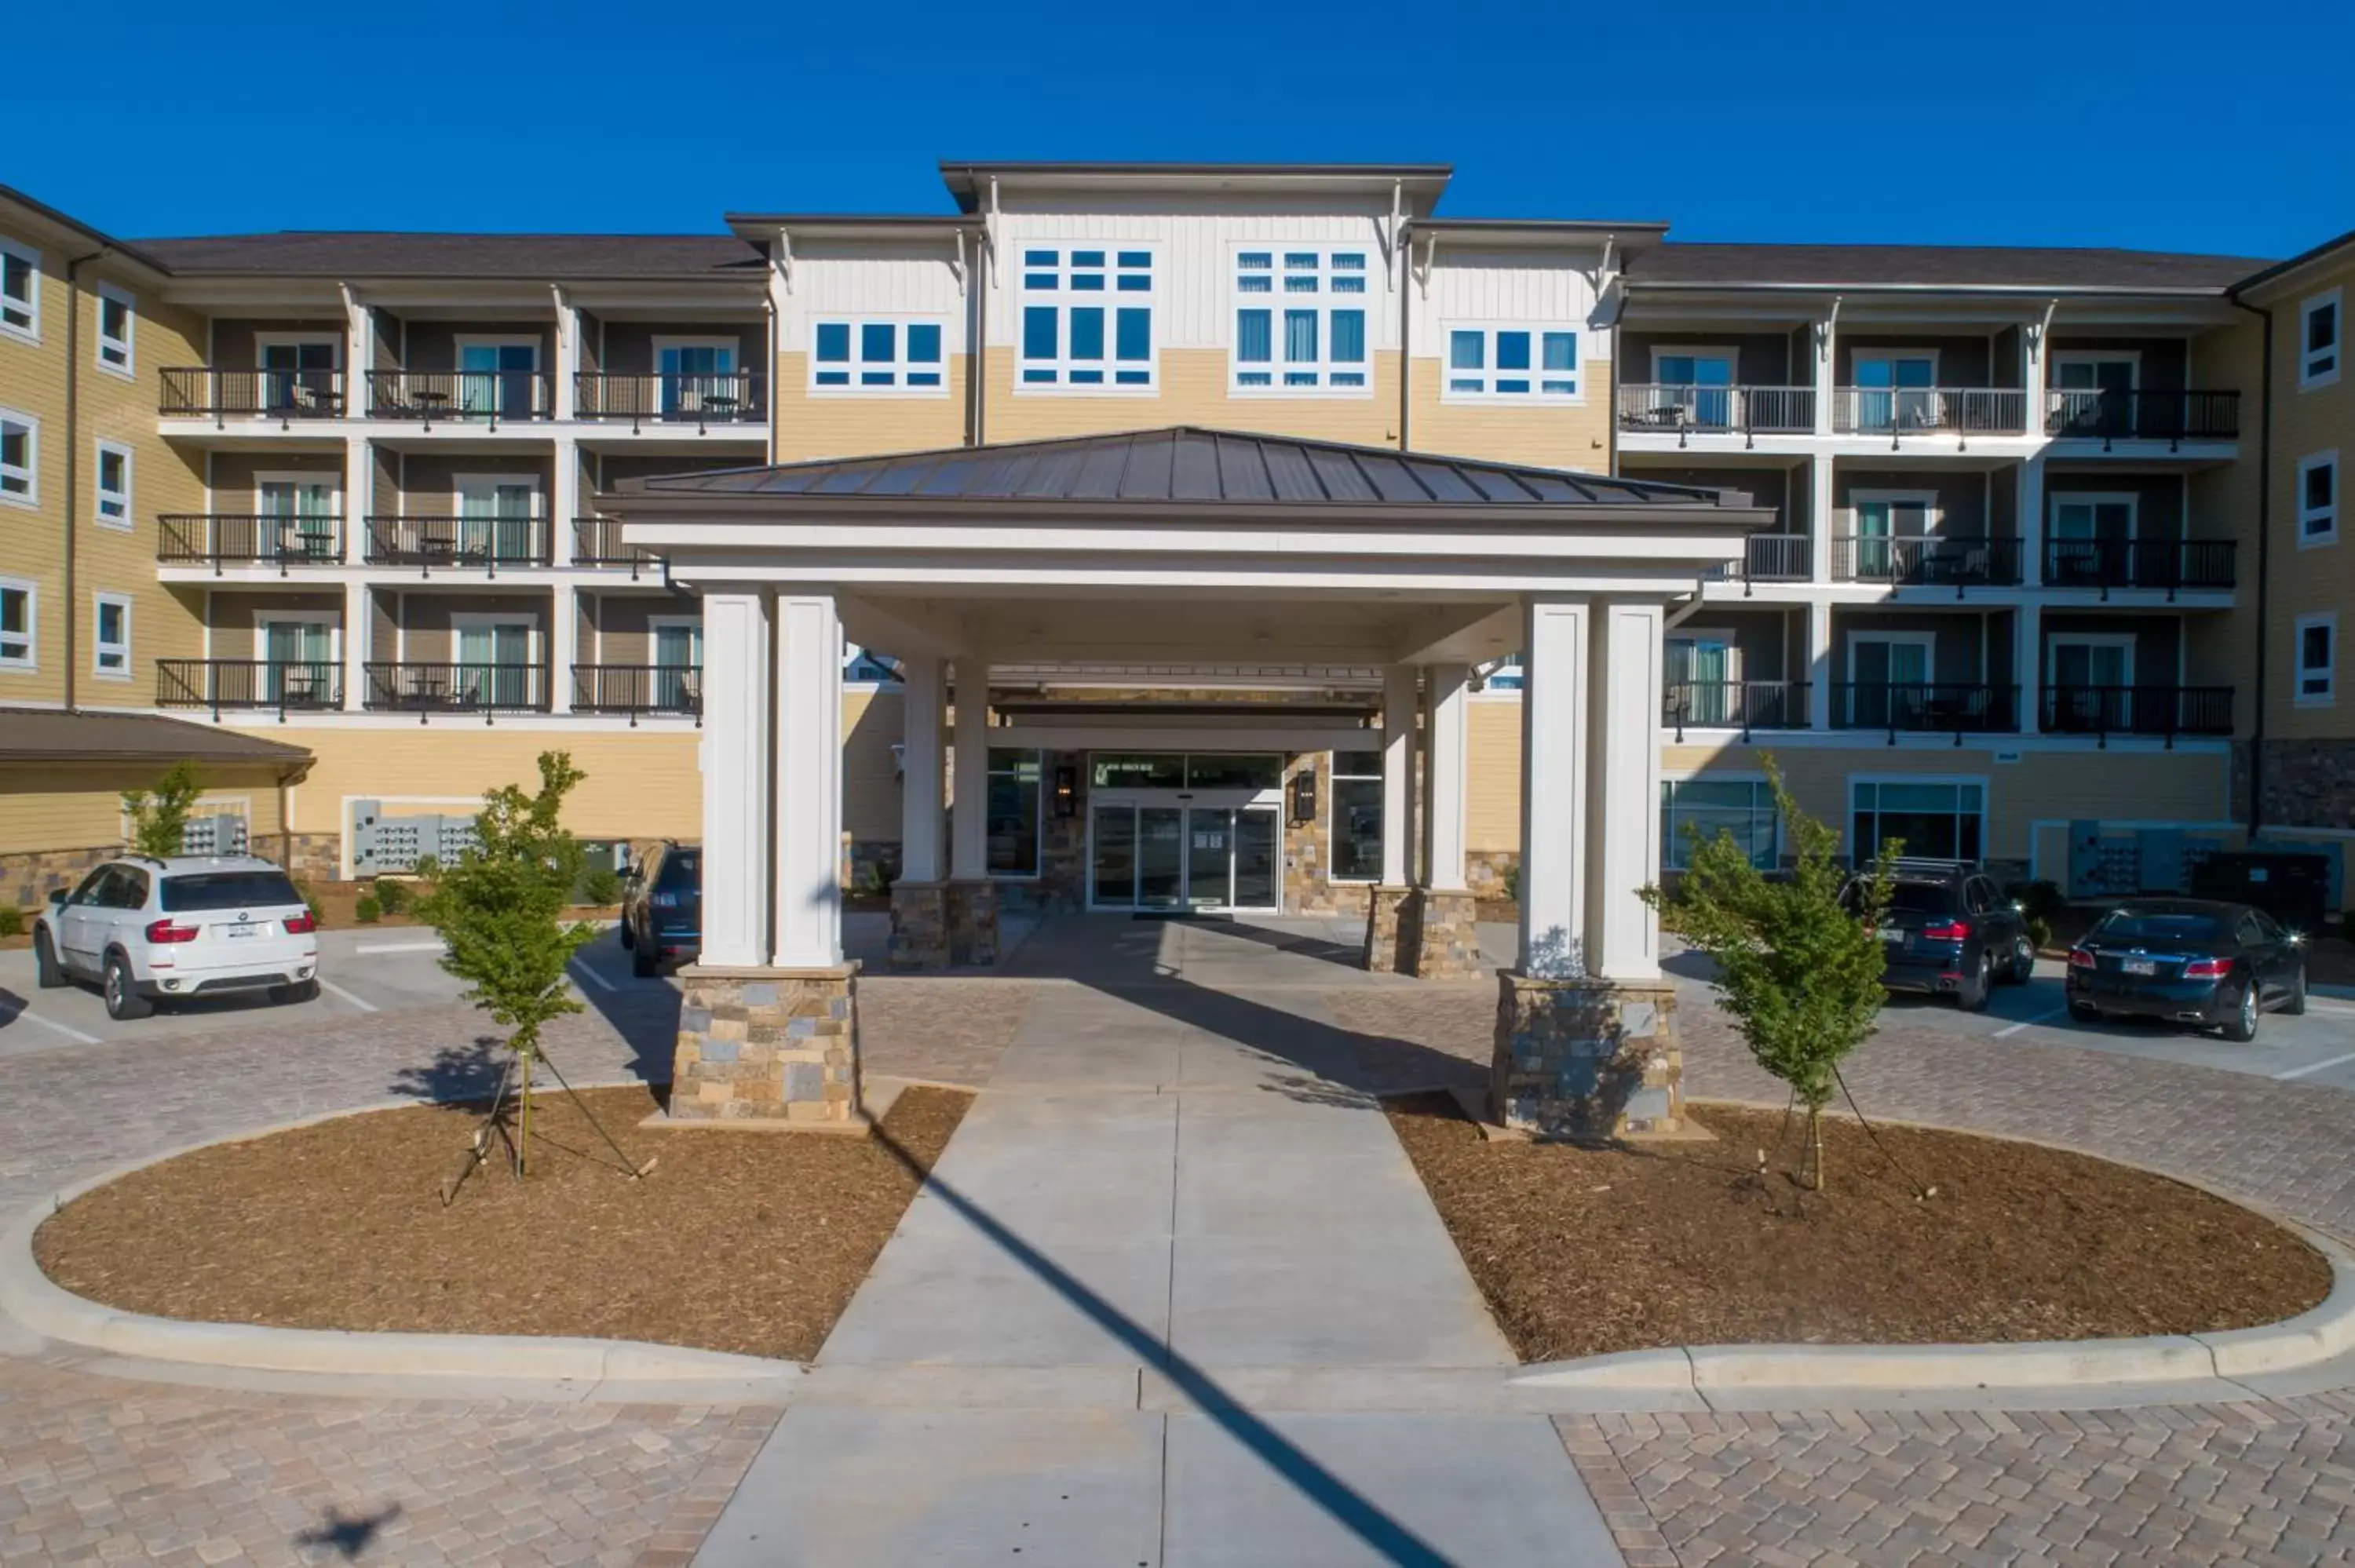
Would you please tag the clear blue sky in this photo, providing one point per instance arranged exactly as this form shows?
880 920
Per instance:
2139 122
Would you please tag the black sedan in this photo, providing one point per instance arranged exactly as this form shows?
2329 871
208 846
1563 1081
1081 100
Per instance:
2186 961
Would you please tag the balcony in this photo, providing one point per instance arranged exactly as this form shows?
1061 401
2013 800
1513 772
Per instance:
2117 415
225 685
2169 564
464 544
485 397
597 541
1900 411
665 691
220 539
286 395
464 689
734 398
1933 707
1959 561
1744 705
1770 558
1661 408
2169 711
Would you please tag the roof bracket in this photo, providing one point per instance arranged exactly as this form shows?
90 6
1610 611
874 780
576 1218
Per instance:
956 264
782 262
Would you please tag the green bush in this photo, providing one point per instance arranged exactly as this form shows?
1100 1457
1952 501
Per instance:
2039 900
391 897
601 886
368 909
2039 931
12 920
303 891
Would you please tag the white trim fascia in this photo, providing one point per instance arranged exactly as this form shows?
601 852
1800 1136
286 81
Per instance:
2305 465
2336 300
129 495
100 342
99 598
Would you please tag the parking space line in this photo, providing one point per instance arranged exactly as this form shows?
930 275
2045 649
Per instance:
397 948
27 1015
602 982
2315 1067
2328 1010
331 985
2029 1022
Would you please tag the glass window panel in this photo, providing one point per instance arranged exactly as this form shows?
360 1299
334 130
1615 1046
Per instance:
1561 351
1512 351
1134 329
1138 770
1135 258
1254 337
833 377
1087 258
1087 282
924 343
1133 378
1087 334
1467 351
1039 335
1255 261
879 342
1356 829
1040 257
833 342
1044 280
1300 337
1216 771
1360 764
1348 337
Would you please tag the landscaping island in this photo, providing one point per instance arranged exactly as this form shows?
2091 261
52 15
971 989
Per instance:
744 1242
1581 1251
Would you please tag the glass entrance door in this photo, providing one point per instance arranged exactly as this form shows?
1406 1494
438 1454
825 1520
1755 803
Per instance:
1184 857
1160 856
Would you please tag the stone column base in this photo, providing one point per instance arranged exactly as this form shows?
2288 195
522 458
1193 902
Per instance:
920 925
766 1044
1385 909
973 923
1586 1059
1439 938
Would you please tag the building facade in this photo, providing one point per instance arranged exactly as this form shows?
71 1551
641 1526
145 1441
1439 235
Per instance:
353 493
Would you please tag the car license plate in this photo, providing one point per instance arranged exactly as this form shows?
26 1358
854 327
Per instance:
1893 933
248 929
2138 966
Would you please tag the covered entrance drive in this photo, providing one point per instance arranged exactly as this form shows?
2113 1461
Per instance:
1160 555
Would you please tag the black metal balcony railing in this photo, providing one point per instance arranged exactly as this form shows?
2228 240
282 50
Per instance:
465 688
1934 560
2169 564
597 541
239 684
1902 411
192 392
472 543
725 397
1933 707
1770 558
676 690
1744 705
1666 408
475 397
2119 415
2169 711
219 539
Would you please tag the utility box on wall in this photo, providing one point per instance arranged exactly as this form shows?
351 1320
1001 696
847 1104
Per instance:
224 834
389 845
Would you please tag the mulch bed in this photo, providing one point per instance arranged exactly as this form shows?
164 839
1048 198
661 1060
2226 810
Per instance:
1586 1250
749 1241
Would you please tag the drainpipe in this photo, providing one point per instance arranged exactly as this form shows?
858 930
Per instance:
73 455
1405 272
2265 578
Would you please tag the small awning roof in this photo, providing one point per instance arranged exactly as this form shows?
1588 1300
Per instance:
52 735
1179 465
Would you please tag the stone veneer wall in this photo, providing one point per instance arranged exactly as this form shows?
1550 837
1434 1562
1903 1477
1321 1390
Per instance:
28 878
1492 873
1439 935
766 1044
920 925
1385 954
1585 1059
2308 784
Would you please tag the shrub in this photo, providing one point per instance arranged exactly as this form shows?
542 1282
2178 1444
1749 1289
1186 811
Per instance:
2039 931
12 920
601 886
391 897
302 890
2039 900
159 819
368 910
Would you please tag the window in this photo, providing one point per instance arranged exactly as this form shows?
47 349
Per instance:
1300 321
1940 819
2317 660
1512 363
1357 816
20 292
1013 811
1697 810
878 356
2318 498
111 652
116 311
20 458
1073 334
2321 326
19 601
114 485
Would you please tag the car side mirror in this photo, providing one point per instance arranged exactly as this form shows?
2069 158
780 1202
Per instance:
56 898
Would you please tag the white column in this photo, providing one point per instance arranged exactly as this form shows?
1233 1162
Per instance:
563 501
1819 665
1819 518
1398 699
1553 791
2027 663
808 776
2032 522
1623 818
736 759
1821 336
359 497
920 770
969 829
359 622
567 354
563 646
1444 738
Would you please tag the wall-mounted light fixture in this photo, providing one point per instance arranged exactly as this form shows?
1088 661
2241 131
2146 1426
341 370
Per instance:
1067 788
1303 796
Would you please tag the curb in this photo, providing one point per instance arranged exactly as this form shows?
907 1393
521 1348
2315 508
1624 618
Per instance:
622 1370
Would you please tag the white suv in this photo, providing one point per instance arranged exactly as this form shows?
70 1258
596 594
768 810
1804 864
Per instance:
194 925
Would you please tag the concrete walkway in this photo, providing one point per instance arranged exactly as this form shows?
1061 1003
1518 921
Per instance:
1165 1187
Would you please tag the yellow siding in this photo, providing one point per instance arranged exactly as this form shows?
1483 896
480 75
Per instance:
2322 578
79 805
872 723
2220 650
32 546
812 425
1193 392
1576 438
1492 801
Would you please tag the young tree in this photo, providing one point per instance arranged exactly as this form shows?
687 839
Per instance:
159 819
501 909
1797 968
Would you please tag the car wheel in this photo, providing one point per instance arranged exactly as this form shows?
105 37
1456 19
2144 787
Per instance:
301 990
1972 996
2295 1005
124 1002
628 941
2244 1025
2023 960
47 973
643 964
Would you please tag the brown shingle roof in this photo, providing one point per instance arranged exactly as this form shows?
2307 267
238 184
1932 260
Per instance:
52 735
391 255
1932 266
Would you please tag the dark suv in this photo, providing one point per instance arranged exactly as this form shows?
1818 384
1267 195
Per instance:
1948 932
662 908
